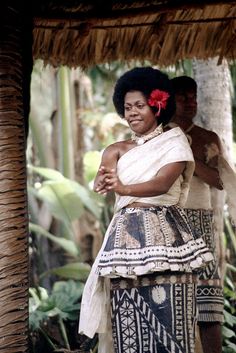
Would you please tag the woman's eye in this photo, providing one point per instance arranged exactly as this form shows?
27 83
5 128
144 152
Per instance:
140 106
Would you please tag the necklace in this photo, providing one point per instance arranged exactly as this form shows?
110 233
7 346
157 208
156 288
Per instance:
140 140
189 128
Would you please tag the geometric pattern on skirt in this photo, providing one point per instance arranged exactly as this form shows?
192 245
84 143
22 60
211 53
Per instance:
156 318
143 240
210 299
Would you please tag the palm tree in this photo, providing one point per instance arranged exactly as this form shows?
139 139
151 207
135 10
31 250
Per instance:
14 106
215 113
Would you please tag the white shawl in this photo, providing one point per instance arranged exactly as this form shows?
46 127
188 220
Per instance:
142 163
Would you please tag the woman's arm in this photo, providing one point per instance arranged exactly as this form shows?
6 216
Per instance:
109 160
154 187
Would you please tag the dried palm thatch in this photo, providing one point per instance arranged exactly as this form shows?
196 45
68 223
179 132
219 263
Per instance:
84 33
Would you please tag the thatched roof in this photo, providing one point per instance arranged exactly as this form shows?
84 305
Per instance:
84 33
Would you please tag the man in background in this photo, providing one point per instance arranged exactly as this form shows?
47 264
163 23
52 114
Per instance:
204 144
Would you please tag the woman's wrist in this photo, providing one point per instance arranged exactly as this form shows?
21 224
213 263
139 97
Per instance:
126 190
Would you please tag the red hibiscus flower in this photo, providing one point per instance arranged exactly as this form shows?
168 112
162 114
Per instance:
158 99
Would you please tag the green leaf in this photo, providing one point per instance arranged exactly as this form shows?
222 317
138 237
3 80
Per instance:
47 173
92 161
229 318
230 267
229 293
70 288
226 301
61 199
48 306
227 350
68 245
231 346
227 332
39 293
229 283
36 318
78 271
88 198
65 197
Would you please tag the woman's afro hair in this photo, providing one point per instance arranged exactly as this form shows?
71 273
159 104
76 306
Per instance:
145 80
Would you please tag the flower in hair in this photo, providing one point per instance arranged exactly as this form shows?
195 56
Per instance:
158 99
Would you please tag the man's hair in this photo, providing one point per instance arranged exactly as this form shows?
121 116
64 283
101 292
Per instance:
144 80
183 83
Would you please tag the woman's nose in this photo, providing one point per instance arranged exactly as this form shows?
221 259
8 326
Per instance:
133 110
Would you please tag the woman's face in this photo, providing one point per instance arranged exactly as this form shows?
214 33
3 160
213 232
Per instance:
138 113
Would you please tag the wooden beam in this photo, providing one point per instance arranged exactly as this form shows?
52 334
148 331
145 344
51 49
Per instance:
126 13
127 25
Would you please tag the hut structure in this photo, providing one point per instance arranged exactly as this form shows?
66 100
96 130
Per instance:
79 33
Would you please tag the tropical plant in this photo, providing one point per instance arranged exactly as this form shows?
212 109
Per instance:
54 314
53 318
229 327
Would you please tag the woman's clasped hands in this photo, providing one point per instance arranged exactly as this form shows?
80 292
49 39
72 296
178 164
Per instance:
108 181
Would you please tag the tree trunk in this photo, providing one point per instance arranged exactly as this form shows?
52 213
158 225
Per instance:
15 42
214 99
214 113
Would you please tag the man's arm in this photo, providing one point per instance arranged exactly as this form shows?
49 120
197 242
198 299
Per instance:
208 171
210 175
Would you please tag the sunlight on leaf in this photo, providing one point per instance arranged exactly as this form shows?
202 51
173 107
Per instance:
68 245
77 271
47 173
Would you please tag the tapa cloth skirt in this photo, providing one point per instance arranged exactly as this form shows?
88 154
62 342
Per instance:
153 239
210 296
155 313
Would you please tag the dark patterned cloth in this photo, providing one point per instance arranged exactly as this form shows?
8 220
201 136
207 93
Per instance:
143 240
154 313
210 300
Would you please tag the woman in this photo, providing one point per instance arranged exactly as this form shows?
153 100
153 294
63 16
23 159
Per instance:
143 282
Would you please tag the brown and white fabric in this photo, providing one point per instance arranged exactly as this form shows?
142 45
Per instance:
154 239
210 299
154 313
140 242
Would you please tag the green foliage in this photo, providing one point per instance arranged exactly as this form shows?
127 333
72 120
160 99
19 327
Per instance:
61 305
65 198
92 161
68 245
229 327
75 270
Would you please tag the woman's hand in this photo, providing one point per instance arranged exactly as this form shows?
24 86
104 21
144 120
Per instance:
109 182
99 182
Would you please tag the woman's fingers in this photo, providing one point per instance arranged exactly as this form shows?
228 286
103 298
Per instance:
105 170
108 182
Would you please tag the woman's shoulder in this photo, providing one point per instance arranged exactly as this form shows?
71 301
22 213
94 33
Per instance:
119 147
